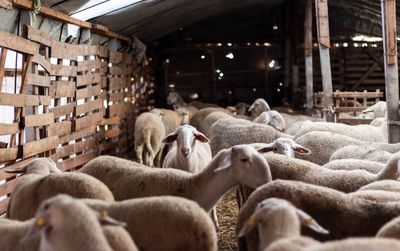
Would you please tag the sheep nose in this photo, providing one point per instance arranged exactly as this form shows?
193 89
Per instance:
185 151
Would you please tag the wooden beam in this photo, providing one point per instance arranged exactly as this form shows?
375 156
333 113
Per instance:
308 56
3 57
321 7
17 43
48 12
6 4
388 8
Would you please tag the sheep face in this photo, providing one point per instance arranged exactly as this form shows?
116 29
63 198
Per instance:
185 137
43 166
277 121
172 98
259 106
246 166
285 146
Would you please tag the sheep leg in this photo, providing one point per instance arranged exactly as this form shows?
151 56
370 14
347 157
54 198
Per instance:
139 153
214 217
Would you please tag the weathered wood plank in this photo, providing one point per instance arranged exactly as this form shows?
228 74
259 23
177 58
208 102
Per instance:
88 79
121 70
112 133
118 83
38 120
59 128
7 154
59 111
7 187
39 146
63 70
75 148
39 80
38 36
88 92
59 89
16 43
89 107
118 110
38 59
7 129
88 50
89 65
64 50
115 97
115 57
4 205
22 100
110 121
77 161
89 131
6 4
88 121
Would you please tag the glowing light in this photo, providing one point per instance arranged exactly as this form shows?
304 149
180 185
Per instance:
229 44
345 44
275 27
229 55
202 57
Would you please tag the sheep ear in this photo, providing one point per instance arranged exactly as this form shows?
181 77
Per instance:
266 148
301 149
170 138
201 137
251 223
252 107
106 220
307 220
37 226
224 164
16 170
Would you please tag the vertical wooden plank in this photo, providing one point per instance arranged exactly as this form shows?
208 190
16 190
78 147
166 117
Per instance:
391 69
3 57
308 56
214 80
321 8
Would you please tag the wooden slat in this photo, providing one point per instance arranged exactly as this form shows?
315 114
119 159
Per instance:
89 131
89 107
75 148
118 83
38 36
64 50
22 100
112 133
3 57
121 70
39 80
77 161
7 187
89 65
7 129
110 121
103 51
88 121
115 57
88 50
4 205
119 96
8 154
118 110
62 110
63 70
354 121
38 120
6 4
88 92
88 79
62 88
16 43
39 146
38 59
59 128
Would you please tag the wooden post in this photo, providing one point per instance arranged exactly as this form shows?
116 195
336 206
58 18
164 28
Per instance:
321 9
214 80
286 81
3 57
388 8
266 74
308 57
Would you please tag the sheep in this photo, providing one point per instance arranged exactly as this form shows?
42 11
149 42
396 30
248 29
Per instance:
296 126
228 132
211 118
242 108
342 214
163 222
170 119
279 224
43 180
284 167
378 109
179 105
383 190
357 244
187 154
237 165
272 118
201 105
294 118
362 153
149 131
366 133
355 164
390 229
258 106
197 119
324 144
59 218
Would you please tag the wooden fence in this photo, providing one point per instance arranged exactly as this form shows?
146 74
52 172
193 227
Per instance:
74 102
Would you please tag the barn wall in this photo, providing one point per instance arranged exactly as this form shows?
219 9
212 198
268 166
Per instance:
70 103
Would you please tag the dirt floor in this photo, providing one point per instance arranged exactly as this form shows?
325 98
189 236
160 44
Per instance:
227 211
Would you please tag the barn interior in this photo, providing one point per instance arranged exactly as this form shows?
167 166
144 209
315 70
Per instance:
76 75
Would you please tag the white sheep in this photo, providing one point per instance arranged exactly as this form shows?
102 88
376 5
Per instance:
179 105
258 106
355 164
279 224
170 119
362 153
211 118
324 144
43 180
272 118
149 131
237 165
342 214
378 109
190 152
67 224
228 132
198 118
163 223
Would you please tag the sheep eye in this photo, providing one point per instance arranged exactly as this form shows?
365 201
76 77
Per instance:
274 149
244 160
46 206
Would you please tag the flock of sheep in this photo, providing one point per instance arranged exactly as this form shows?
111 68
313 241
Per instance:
337 181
